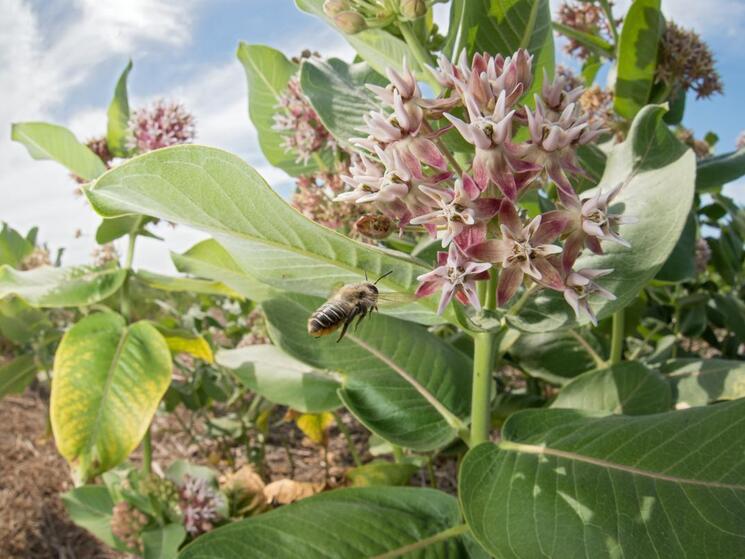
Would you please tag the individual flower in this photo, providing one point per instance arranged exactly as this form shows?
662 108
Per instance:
578 288
455 275
523 250
591 221
161 125
685 60
457 208
496 157
199 504
302 131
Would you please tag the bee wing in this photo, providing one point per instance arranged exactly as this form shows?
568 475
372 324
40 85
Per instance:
394 299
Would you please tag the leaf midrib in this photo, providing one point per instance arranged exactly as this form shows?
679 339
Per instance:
543 450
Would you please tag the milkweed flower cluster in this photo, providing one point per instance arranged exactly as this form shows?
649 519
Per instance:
162 124
199 504
406 172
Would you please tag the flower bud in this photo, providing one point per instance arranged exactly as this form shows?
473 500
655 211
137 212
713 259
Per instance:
374 226
412 9
333 8
350 22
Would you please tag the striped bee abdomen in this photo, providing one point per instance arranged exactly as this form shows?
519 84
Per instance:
327 318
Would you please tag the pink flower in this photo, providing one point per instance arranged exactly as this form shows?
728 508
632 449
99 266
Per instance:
454 275
523 250
578 288
592 222
457 208
161 125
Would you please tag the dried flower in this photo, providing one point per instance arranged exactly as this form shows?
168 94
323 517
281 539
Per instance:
199 504
687 61
127 523
579 286
39 257
245 492
161 125
454 275
103 254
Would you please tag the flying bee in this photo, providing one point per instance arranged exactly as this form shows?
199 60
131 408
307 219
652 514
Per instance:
353 300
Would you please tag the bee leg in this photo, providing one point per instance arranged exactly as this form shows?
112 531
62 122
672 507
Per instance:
363 314
344 329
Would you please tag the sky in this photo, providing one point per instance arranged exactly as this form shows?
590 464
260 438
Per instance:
60 59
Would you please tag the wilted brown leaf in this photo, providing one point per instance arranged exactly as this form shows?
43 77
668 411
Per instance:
286 491
245 491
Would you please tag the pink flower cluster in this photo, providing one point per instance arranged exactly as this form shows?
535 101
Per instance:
407 172
161 125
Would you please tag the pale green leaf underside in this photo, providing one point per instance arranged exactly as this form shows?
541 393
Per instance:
188 285
564 484
212 190
697 382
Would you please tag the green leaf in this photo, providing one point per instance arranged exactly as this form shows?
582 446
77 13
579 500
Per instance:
14 248
555 357
112 229
629 388
658 176
714 172
733 310
163 543
17 374
49 141
341 524
501 28
282 379
374 361
268 71
380 472
337 92
19 322
681 264
377 47
208 259
642 28
186 285
215 191
108 381
563 483
91 507
117 128
61 287
698 382
594 43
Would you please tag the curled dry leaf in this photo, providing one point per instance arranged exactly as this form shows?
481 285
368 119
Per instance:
245 491
286 491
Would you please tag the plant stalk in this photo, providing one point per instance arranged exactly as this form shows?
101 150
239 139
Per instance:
420 52
348 437
483 358
147 453
616 343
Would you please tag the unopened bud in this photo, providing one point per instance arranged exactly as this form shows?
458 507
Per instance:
333 8
412 9
350 22
374 226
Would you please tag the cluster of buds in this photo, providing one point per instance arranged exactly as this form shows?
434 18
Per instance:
353 16
161 125
127 523
686 61
314 198
199 503
407 173
162 490
301 129
39 257
586 17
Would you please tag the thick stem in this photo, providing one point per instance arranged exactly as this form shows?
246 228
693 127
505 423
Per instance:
483 358
491 291
420 52
421 544
147 453
616 343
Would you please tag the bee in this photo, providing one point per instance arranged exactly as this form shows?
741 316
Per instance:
352 300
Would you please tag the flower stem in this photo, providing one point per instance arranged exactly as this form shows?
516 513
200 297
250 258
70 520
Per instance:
420 52
147 453
491 291
600 363
483 357
616 343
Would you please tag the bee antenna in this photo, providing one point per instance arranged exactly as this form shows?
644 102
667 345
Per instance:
381 277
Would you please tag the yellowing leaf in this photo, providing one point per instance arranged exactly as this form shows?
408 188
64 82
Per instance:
286 491
193 345
315 425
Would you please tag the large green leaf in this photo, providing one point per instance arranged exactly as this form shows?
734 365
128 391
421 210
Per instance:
61 287
215 191
108 381
91 507
341 524
565 484
268 71
117 129
714 172
377 47
49 141
338 94
658 175
163 543
629 388
17 374
14 247
188 285
374 361
555 357
637 56
697 382
681 264
282 379
502 28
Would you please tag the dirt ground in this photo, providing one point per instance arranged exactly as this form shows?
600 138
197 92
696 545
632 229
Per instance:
33 521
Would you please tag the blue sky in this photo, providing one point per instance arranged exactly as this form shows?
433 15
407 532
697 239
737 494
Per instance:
59 60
